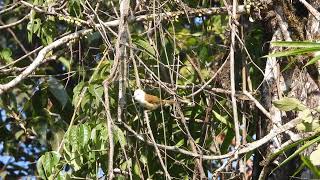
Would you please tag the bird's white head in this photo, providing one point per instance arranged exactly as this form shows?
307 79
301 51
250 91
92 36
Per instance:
139 95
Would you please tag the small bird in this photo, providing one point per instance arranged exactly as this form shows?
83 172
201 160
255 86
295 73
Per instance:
148 101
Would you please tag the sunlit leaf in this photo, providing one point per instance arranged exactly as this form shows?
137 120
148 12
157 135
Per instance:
299 150
293 52
76 93
289 104
315 156
83 135
47 164
296 44
313 61
5 55
120 136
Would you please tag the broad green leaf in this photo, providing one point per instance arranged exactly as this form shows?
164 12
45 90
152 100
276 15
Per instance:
306 116
76 93
180 143
83 135
203 54
145 45
5 55
222 119
144 159
136 170
120 136
58 91
18 134
73 138
41 169
288 104
76 161
93 135
47 163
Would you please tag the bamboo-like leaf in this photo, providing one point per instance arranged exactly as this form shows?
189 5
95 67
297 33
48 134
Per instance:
295 44
313 60
298 151
293 52
309 164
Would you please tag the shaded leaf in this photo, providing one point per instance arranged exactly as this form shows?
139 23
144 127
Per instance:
58 91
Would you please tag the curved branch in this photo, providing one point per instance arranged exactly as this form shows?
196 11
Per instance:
41 56
14 23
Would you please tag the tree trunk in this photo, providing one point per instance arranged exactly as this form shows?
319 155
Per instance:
287 21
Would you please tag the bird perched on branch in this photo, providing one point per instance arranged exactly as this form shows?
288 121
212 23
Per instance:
151 102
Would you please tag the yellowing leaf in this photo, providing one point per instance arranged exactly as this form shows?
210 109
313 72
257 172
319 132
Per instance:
315 157
306 115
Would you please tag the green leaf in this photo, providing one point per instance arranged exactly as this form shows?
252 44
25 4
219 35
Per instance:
222 119
180 143
298 151
309 164
76 93
48 32
144 159
76 161
136 169
293 52
288 104
6 54
47 164
306 116
65 62
145 45
296 44
120 136
83 135
58 91
73 138
18 134
312 61
33 26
